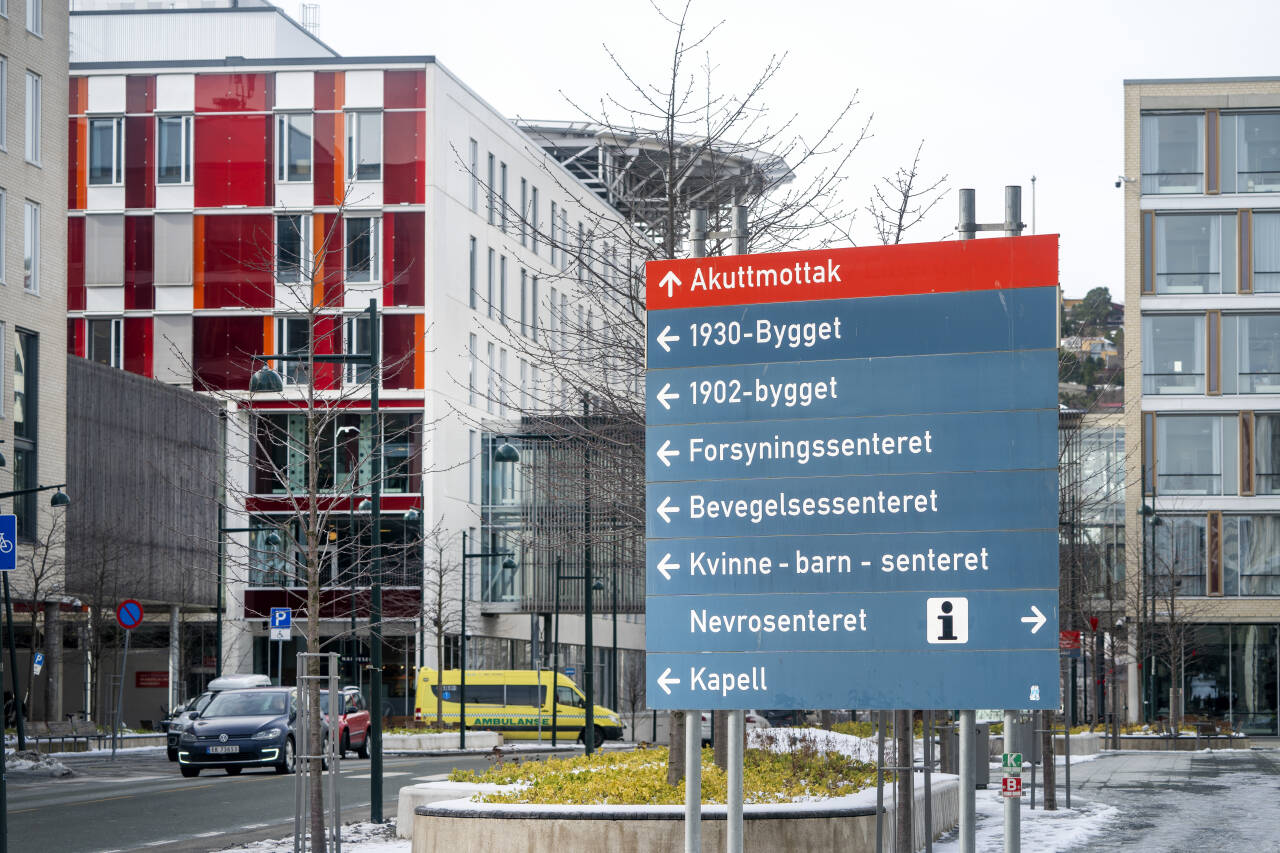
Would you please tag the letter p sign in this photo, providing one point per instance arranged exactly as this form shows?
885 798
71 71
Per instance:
947 621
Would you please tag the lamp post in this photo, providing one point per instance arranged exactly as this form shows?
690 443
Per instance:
588 736
273 540
266 379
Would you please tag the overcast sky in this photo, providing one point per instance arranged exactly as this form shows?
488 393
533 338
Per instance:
999 91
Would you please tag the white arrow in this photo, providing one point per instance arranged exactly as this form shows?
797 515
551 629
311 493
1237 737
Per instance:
664 338
667 567
666 508
1038 619
663 681
664 452
667 394
670 281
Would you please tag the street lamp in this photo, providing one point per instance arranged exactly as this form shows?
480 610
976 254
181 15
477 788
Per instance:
588 735
272 540
266 380
509 565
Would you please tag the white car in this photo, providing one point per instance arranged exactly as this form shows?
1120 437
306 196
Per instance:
754 720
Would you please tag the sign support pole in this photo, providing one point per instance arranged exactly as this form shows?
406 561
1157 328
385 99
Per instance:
968 809
1012 805
124 669
733 829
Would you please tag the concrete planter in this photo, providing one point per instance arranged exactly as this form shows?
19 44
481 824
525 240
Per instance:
1084 743
1182 743
846 824
440 741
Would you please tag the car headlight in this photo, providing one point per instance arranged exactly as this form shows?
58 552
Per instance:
188 737
267 734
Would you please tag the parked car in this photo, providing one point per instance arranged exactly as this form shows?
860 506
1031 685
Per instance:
251 727
177 722
354 721
753 720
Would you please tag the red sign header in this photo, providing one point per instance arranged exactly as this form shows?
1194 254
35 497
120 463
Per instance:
959 265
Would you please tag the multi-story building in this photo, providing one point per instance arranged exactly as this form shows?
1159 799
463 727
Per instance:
1202 262
33 169
237 190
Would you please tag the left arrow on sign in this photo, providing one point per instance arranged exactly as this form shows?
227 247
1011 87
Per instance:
665 453
664 680
664 339
665 393
667 567
1037 619
666 508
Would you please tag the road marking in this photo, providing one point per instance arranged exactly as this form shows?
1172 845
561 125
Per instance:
370 775
207 834
439 777
121 797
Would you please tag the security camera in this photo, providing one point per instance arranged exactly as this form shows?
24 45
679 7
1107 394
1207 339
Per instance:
1121 180
1119 183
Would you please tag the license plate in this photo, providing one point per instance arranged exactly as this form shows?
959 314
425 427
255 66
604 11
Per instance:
223 749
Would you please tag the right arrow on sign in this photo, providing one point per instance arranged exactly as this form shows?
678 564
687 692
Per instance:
1037 619
665 453
667 567
663 681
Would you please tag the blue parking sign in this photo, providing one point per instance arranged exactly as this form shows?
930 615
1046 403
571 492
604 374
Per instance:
8 543
281 617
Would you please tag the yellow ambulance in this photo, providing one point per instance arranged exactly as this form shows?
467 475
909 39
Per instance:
514 702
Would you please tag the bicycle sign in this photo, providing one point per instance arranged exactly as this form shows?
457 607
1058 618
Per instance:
8 538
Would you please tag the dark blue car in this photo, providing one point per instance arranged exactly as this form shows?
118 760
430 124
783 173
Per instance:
239 729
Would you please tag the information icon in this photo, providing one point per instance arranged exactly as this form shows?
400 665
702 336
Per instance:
947 621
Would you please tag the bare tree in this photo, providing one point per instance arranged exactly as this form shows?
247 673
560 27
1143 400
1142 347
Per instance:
902 200
41 575
440 607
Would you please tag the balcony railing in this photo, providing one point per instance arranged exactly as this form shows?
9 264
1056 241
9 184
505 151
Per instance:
1173 383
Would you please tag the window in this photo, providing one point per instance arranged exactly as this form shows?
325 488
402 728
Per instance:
1178 558
524 385
293 147
524 302
1266 453
173 149
524 212
1252 158
293 337
492 272
533 218
293 248
564 236
106 151
35 16
492 189
1173 153
473 295
473 369
4 104
362 249
533 306
32 136
503 384
582 266
1251 554
356 340
491 388
4 240
31 247
502 197
1196 253
106 341
1251 353
564 321
364 146
1196 455
1266 252
554 220
502 289
1174 344
474 152
25 411
554 315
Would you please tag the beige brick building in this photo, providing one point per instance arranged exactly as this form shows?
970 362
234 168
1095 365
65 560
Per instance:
1202 490
33 207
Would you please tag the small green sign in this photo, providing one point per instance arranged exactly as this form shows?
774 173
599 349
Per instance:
1011 761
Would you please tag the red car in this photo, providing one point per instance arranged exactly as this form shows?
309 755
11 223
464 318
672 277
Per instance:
353 723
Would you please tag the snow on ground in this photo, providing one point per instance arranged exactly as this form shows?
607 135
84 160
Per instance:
784 739
356 838
1042 831
34 763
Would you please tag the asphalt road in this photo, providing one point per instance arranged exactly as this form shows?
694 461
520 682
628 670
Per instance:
140 801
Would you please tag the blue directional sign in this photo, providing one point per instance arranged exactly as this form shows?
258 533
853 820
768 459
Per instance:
8 543
281 617
851 465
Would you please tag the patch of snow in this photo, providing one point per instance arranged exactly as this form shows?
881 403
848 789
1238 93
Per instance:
356 838
785 739
1041 831
35 764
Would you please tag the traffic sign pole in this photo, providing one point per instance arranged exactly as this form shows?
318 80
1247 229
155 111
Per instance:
1012 805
